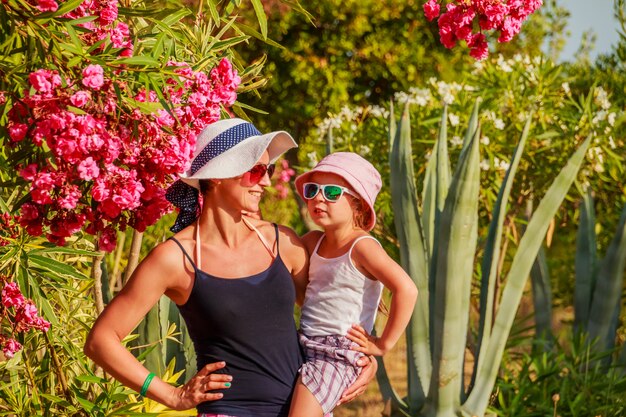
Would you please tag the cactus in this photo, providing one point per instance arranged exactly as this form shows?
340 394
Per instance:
162 338
437 250
597 302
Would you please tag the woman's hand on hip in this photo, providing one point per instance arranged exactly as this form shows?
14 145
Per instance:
200 388
368 372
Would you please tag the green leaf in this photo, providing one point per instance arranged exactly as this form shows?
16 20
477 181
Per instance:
228 43
144 60
91 379
71 48
608 289
87 405
252 32
517 277
81 20
52 265
173 18
413 257
215 16
585 263
76 110
454 268
61 249
157 49
67 7
138 12
491 254
56 400
73 36
261 17
246 106
542 298
3 206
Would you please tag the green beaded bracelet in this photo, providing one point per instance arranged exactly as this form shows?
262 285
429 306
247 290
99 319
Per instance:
146 384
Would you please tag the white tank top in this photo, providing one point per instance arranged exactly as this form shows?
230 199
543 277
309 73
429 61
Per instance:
338 295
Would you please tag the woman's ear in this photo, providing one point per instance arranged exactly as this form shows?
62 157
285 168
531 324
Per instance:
207 185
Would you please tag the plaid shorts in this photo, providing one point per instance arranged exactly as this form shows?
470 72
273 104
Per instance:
330 367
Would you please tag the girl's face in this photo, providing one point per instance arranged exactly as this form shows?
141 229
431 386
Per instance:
331 214
245 191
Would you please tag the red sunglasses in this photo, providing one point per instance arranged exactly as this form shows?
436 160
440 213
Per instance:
257 172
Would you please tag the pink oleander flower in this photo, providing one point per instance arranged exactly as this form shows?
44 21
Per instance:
479 48
431 9
29 212
11 347
80 98
283 191
108 13
27 313
44 80
12 296
17 132
108 240
42 324
93 77
509 29
286 171
69 197
120 36
27 318
47 5
88 169
29 172
458 21
107 167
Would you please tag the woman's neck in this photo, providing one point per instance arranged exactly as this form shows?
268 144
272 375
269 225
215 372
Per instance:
222 226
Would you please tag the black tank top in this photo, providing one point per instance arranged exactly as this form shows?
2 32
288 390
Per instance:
248 323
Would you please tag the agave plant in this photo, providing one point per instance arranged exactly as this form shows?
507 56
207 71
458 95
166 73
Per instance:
597 298
438 241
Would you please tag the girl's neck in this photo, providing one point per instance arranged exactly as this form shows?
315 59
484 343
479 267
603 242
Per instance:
337 238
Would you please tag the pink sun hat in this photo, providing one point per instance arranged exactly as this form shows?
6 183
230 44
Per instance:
359 173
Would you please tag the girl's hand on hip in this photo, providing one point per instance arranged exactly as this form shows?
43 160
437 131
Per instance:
199 388
365 343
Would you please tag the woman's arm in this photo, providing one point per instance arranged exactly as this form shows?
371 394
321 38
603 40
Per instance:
368 372
369 256
160 273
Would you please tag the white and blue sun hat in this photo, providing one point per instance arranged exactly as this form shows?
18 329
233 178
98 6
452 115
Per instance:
224 149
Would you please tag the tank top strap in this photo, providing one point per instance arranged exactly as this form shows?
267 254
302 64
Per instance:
184 253
198 245
277 247
261 237
319 242
359 239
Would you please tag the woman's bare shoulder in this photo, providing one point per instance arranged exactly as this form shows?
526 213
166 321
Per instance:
167 258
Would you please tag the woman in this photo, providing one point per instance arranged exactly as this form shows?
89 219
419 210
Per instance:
233 280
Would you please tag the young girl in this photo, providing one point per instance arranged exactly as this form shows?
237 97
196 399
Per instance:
348 269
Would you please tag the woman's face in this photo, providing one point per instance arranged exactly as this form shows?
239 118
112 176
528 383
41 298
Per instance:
330 214
245 191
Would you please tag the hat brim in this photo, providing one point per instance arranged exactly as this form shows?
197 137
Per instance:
242 157
354 183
